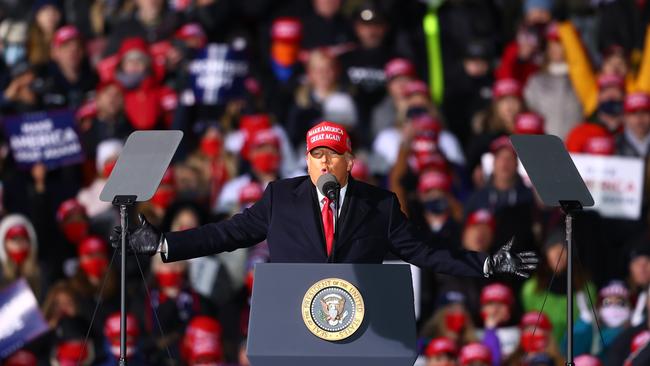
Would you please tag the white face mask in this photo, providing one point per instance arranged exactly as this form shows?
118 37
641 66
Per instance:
614 316
558 68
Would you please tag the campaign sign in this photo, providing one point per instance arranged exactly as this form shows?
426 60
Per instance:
47 137
615 183
20 318
217 73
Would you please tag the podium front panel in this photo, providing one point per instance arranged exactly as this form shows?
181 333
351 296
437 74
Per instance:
278 335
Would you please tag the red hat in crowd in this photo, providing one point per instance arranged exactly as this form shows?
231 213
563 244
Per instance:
250 123
637 102
264 137
416 87
202 340
640 339
191 31
65 34
529 123
69 353
250 193
92 244
535 318
112 333
614 289
552 32
434 179
87 110
611 81
587 360
497 292
475 352
133 44
426 124
424 144
481 216
441 345
600 145
69 207
577 139
360 170
21 358
17 231
286 29
331 135
399 67
505 88
430 160
502 142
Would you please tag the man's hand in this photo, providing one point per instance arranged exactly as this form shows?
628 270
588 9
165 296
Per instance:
505 262
145 239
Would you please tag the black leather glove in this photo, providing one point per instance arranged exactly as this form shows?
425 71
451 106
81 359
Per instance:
144 239
505 262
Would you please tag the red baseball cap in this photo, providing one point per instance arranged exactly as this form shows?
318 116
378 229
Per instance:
577 138
502 142
606 81
430 160
635 102
360 170
481 216
614 289
202 339
640 340
87 110
587 360
191 30
329 134
21 358
600 145
497 292
132 44
425 123
530 320
529 123
399 67
475 352
439 346
113 324
65 34
250 193
69 207
416 87
264 137
92 244
506 87
17 231
424 144
286 29
434 179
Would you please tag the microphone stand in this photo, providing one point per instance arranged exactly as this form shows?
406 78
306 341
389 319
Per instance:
337 196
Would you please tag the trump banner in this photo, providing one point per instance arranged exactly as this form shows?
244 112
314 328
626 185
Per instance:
43 137
615 182
20 317
217 73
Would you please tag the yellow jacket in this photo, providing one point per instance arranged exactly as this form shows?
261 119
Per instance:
584 77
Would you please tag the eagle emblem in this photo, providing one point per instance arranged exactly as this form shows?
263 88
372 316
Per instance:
333 309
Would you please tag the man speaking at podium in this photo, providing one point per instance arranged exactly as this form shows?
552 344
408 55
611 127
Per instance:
297 218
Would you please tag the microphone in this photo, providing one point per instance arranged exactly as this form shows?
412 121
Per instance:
328 186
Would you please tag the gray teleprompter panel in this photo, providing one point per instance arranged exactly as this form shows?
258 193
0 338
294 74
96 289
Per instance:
141 165
278 335
551 169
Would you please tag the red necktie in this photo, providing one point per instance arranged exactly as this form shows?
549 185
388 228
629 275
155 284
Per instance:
328 224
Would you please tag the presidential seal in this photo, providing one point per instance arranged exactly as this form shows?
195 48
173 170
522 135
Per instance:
333 309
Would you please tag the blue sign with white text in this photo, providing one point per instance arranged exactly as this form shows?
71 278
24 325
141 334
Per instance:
43 137
20 318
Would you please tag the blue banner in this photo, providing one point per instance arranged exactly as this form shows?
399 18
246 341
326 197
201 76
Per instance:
46 137
217 74
20 318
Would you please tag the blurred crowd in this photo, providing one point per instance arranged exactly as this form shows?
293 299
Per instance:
429 90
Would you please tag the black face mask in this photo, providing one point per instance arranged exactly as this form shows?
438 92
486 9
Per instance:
611 107
436 206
